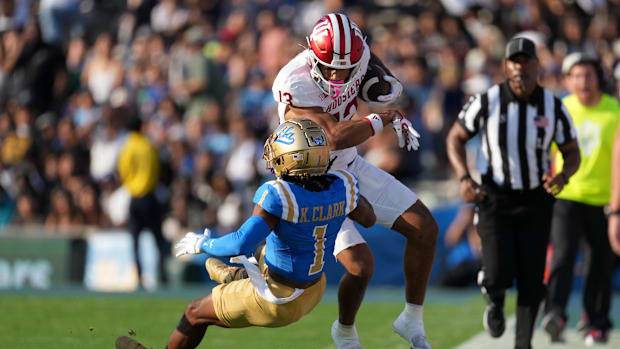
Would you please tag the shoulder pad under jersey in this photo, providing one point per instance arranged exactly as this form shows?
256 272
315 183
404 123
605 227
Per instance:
277 198
293 85
351 187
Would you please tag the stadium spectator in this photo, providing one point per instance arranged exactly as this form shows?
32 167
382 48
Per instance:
7 207
242 163
168 17
285 288
139 169
59 18
26 210
463 261
578 214
37 70
63 216
107 141
76 51
227 203
17 140
102 72
90 209
85 115
515 196
192 80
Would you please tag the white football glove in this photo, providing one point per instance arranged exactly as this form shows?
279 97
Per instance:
407 135
395 91
190 243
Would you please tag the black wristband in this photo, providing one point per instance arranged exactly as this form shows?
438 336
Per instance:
466 176
564 177
614 213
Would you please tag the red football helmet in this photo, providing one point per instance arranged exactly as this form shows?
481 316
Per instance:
335 42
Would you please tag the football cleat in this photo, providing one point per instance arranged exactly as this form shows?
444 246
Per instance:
222 273
596 337
583 324
554 324
405 329
493 320
345 341
124 342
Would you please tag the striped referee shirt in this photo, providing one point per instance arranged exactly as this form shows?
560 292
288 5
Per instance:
516 135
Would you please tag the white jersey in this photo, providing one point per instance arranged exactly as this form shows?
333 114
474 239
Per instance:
294 86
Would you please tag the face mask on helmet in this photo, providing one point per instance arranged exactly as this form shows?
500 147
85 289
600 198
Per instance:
335 42
297 148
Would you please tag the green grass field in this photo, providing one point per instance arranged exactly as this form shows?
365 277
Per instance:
94 321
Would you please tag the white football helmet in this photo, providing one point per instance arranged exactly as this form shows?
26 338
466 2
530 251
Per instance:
335 42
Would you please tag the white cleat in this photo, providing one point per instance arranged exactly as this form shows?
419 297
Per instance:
408 331
344 341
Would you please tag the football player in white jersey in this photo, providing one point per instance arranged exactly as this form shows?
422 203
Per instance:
322 83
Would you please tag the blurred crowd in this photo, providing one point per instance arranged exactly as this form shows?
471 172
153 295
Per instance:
199 74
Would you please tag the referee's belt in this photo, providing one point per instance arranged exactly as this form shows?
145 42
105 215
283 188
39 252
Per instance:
494 187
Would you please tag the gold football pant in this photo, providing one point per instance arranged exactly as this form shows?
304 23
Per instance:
238 304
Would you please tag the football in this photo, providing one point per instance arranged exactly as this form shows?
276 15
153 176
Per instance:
374 84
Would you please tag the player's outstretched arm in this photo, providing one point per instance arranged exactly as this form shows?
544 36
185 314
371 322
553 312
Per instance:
241 242
363 213
349 133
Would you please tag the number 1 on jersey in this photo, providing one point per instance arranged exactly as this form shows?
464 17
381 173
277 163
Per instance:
319 249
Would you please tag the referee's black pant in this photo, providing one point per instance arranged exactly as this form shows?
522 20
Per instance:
573 221
514 229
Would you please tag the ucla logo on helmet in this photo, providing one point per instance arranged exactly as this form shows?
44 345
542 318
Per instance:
318 141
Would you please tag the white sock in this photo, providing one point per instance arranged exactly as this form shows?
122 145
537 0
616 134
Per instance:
346 330
413 310
412 316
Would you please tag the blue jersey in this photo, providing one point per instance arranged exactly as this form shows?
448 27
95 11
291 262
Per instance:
309 223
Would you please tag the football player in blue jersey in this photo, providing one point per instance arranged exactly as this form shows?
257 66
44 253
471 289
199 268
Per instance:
298 215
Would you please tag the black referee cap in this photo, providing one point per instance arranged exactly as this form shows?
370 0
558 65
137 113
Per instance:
520 45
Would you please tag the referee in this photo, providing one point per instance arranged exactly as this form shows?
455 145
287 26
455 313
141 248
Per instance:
517 120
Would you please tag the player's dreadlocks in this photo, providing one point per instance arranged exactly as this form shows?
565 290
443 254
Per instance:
311 183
